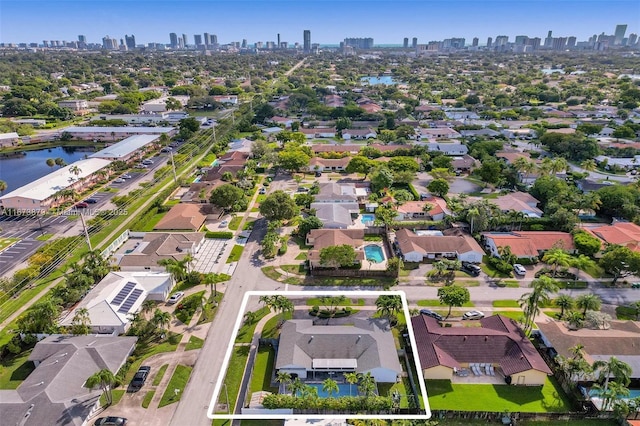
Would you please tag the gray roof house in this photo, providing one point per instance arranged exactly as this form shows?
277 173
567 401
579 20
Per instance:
336 215
367 346
53 394
333 192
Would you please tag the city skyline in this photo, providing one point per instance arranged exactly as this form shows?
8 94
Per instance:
329 21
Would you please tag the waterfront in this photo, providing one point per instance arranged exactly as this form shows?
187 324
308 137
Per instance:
19 170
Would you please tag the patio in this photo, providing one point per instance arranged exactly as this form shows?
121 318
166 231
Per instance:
466 376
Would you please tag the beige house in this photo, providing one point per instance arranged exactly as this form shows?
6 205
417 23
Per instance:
321 238
183 217
156 246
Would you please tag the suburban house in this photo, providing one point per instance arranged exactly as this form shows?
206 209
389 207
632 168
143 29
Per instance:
434 245
437 133
117 297
55 389
434 208
498 342
463 163
621 233
348 134
334 192
226 99
322 238
518 202
446 148
156 246
588 185
365 346
338 215
9 139
621 340
527 244
333 101
183 217
75 105
114 133
282 121
328 164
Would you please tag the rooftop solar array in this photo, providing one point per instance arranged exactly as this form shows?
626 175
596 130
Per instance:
133 297
123 293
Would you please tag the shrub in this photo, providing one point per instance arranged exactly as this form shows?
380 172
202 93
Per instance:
499 265
225 235
283 249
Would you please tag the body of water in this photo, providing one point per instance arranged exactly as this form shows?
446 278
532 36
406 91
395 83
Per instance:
343 390
367 218
386 80
20 170
374 253
633 393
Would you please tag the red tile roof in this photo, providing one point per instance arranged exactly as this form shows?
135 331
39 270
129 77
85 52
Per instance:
497 341
622 233
531 243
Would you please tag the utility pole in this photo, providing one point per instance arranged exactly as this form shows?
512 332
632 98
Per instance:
86 233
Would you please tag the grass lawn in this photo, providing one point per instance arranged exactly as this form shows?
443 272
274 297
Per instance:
347 302
210 308
248 225
262 370
262 422
596 271
188 306
271 329
436 302
235 223
194 343
334 281
6 242
145 350
573 284
14 369
443 395
492 272
626 313
516 315
116 394
44 237
178 381
294 269
270 271
147 399
159 375
245 334
302 256
509 283
233 377
505 303
236 252
387 389
475 422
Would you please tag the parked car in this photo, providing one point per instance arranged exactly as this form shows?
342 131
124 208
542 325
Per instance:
301 189
175 297
431 314
119 180
519 269
111 421
140 376
148 162
90 201
423 196
166 149
141 166
473 315
126 176
262 191
224 223
318 174
471 269
81 205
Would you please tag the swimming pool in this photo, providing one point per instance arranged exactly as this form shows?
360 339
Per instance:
386 80
633 393
374 253
367 218
343 390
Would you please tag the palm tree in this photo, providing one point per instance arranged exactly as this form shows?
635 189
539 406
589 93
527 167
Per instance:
619 370
81 321
59 162
559 164
556 257
589 165
147 307
588 302
367 386
530 302
582 263
565 303
575 319
250 317
161 319
330 386
388 306
472 214
297 386
284 379
212 279
352 379
177 269
3 186
75 170
507 255
51 162
104 379
612 393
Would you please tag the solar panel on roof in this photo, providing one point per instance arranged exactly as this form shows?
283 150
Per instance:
123 293
130 301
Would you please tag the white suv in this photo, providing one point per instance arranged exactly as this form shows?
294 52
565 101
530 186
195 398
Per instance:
519 269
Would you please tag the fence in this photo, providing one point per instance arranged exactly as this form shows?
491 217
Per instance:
492 416
115 244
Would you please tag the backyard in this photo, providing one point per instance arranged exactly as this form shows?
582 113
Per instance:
443 395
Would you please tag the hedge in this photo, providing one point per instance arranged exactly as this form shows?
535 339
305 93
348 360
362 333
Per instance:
223 235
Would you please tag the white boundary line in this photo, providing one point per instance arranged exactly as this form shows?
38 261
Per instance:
225 365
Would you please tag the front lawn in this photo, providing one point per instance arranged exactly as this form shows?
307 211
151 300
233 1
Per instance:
295 269
236 252
436 302
233 377
185 310
271 329
550 398
178 381
516 315
245 334
505 303
14 369
194 343
235 223
626 313
312 301
262 370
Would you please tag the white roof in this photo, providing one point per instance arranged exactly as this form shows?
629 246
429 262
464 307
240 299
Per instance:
11 135
46 186
125 129
125 147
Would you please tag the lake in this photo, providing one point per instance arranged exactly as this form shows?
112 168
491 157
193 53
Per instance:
21 170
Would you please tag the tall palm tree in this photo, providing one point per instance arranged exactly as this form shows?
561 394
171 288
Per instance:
81 321
147 307
472 214
330 386
582 263
212 279
565 303
161 319
367 386
104 379
388 306
297 386
176 269
559 164
530 302
75 170
352 379
284 379
589 165
588 302
619 370
556 257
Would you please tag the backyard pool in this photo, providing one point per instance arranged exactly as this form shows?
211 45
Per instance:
343 390
386 80
633 393
374 253
367 218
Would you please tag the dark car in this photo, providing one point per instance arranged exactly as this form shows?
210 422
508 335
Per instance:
90 201
111 421
431 314
318 174
81 205
471 269
140 377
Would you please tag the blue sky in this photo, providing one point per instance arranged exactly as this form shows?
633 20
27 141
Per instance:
329 21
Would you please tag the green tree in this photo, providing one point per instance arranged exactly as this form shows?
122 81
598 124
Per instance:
586 243
176 268
619 370
81 322
565 303
307 224
161 319
397 164
284 379
385 215
381 178
3 186
556 257
60 162
338 256
303 200
542 287
582 263
620 262
360 164
588 302
352 379
278 206
440 187
389 307
293 159
51 162
453 295
104 379
226 196
330 386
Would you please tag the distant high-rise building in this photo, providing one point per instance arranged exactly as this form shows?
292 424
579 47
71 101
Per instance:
45 43
244 43
278 39
414 42
130 41
197 40
619 34
184 40
521 40
306 38
534 43
108 43
633 39
571 41
559 43
502 40
207 39
359 43
475 42
173 40
405 42
82 39
258 45
489 42
214 39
